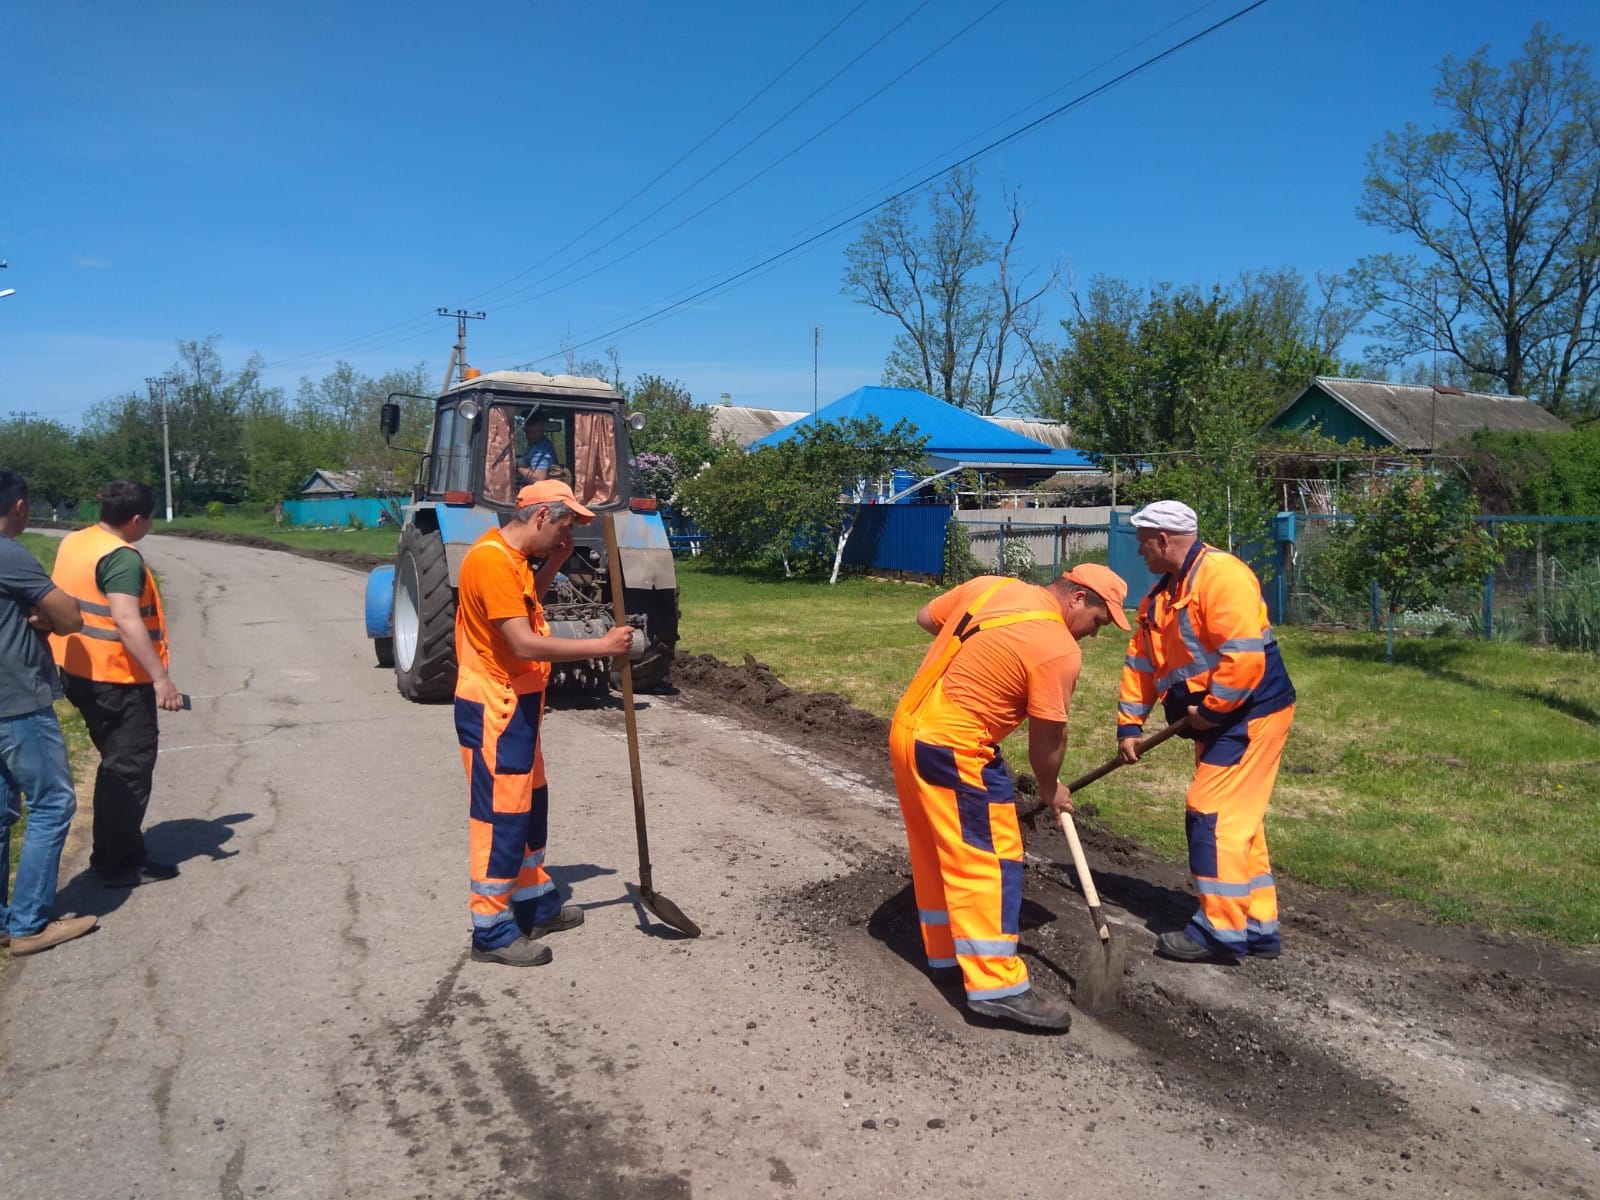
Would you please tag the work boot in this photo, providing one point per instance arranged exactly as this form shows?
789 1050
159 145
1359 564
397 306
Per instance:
945 977
61 930
1269 952
145 872
1027 1008
524 952
1180 946
569 916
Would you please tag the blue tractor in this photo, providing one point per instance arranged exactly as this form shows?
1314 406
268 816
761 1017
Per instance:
492 434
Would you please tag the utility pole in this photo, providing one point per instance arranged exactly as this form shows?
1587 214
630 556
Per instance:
154 382
22 418
816 344
458 356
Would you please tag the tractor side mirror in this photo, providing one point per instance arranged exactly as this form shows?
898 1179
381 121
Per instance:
389 420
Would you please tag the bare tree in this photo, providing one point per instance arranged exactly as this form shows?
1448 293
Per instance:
967 314
1503 203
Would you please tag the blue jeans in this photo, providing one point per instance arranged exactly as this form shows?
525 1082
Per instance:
33 764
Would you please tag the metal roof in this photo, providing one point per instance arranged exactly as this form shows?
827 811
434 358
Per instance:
955 436
1416 417
1055 434
745 425
582 386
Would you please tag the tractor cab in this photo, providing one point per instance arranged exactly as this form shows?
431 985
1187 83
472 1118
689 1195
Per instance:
492 435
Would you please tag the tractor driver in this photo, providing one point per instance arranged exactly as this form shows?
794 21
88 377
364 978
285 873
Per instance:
538 461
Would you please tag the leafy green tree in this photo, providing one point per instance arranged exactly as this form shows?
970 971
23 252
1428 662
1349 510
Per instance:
756 507
843 462
967 312
674 424
49 456
1502 204
1414 534
1185 367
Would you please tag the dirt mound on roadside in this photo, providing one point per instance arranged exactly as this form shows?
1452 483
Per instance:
756 693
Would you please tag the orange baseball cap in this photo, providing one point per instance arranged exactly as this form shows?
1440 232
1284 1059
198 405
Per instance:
553 491
1105 583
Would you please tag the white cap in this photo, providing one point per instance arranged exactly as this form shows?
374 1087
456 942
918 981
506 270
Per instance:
1174 516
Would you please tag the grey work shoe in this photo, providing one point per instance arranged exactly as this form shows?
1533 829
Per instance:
569 916
524 952
1027 1008
1179 946
62 930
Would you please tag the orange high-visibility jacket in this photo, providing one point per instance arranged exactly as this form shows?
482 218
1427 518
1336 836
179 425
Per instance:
1203 637
97 652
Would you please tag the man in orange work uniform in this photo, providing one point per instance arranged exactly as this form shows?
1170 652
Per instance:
504 649
1004 650
1204 649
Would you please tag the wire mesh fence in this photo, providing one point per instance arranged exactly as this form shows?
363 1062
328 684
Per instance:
1035 551
1545 592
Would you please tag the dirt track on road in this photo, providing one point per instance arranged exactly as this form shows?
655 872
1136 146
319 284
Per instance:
296 1016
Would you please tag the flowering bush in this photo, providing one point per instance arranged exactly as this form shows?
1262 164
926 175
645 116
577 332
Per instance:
656 475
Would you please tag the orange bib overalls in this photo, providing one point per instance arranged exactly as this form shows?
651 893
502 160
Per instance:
961 820
497 725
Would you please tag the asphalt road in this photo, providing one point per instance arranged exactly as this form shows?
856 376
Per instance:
296 1015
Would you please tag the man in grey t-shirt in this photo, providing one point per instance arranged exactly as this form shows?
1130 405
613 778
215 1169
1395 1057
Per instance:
33 754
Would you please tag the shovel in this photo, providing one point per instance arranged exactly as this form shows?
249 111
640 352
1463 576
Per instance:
1101 967
642 893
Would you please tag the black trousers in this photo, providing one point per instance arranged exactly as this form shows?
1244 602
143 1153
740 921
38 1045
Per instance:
122 724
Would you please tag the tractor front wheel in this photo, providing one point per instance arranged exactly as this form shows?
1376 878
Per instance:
424 618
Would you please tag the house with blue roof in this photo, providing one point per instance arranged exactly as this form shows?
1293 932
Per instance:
957 439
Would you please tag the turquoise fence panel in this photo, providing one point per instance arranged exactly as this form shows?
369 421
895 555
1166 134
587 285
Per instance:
1122 556
333 510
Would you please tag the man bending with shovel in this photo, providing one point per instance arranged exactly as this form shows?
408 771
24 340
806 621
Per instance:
1204 650
1003 651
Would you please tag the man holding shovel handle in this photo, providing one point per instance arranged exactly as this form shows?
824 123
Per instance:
1004 651
1203 648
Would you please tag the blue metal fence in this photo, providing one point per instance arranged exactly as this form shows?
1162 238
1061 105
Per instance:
899 537
335 510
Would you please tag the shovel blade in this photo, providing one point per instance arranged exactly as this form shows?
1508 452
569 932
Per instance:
663 910
1099 976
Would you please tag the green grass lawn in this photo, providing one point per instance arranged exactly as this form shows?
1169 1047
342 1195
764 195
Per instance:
377 540
1465 778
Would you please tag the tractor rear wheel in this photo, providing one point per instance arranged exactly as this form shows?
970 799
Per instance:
424 618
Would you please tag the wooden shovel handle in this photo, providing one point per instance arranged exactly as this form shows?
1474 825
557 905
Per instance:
619 610
1111 764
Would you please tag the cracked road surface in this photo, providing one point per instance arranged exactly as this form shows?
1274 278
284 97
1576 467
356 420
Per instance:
296 1015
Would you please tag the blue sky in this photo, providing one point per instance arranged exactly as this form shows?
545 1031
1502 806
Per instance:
311 182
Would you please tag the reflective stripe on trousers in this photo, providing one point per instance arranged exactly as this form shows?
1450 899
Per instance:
509 813
966 848
1226 827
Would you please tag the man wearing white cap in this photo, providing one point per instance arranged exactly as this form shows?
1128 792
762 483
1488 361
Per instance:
1003 651
1203 649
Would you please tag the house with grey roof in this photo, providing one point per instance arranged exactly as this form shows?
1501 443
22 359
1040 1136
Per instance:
1414 418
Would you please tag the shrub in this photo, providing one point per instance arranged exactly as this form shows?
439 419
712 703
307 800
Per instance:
960 563
216 510
1016 558
1573 612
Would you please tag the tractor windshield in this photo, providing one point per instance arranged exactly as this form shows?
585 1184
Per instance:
526 443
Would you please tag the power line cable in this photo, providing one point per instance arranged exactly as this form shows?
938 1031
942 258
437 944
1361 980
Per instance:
682 158
826 221
989 148
506 301
421 323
